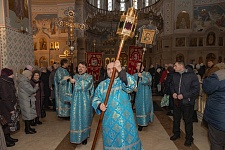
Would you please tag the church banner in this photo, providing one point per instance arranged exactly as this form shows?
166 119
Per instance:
94 64
135 56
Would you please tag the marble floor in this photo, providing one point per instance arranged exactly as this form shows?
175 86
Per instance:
53 134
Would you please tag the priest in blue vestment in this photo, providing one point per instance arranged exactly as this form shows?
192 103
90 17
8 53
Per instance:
118 126
62 80
81 112
143 97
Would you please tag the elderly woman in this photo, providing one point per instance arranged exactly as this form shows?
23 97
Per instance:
39 94
8 102
26 96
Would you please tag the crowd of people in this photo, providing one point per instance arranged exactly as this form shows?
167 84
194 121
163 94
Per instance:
75 96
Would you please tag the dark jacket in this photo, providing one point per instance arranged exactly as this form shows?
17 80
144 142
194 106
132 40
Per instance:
186 84
7 97
214 86
45 80
39 96
167 83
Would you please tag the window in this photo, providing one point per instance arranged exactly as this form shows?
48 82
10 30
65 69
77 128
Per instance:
122 7
99 4
135 4
146 3
109 5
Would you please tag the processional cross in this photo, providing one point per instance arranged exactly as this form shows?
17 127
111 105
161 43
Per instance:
71 25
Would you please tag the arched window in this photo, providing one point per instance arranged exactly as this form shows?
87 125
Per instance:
146 3
135 4
109 5
122 7
99 4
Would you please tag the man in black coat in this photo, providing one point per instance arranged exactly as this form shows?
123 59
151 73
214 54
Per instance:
184 88
47 92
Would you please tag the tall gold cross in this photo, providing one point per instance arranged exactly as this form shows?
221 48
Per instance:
70 23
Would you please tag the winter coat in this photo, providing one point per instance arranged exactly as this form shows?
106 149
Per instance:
210 70
39 96
167 83
214 86
8 98
26 98
51 83
45 80
187 84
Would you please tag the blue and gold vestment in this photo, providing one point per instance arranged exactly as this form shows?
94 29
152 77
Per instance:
118 126
61 92
143 99
81 112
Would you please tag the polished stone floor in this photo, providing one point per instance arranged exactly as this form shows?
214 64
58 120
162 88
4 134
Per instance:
53 134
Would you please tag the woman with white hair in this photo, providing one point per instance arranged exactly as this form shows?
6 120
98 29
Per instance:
26 96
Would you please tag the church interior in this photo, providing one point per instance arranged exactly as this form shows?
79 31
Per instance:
42 32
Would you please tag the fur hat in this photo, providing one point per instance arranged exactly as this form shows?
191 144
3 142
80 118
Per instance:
27 73
28 67
6 72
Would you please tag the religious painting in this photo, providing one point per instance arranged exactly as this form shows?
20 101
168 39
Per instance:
180 42
43 44
56 45
210 41
147 36
107 61
113 59
123 59
193 42
94 63
52 45
134 57
20 8
183 21
208 15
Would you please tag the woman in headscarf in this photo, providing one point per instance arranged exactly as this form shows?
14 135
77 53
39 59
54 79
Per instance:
8 102
39 95
26 95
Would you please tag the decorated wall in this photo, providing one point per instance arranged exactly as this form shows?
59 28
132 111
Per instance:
19 15
209 15
16 49
16 41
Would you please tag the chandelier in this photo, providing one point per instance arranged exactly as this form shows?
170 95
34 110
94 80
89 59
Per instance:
100 21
